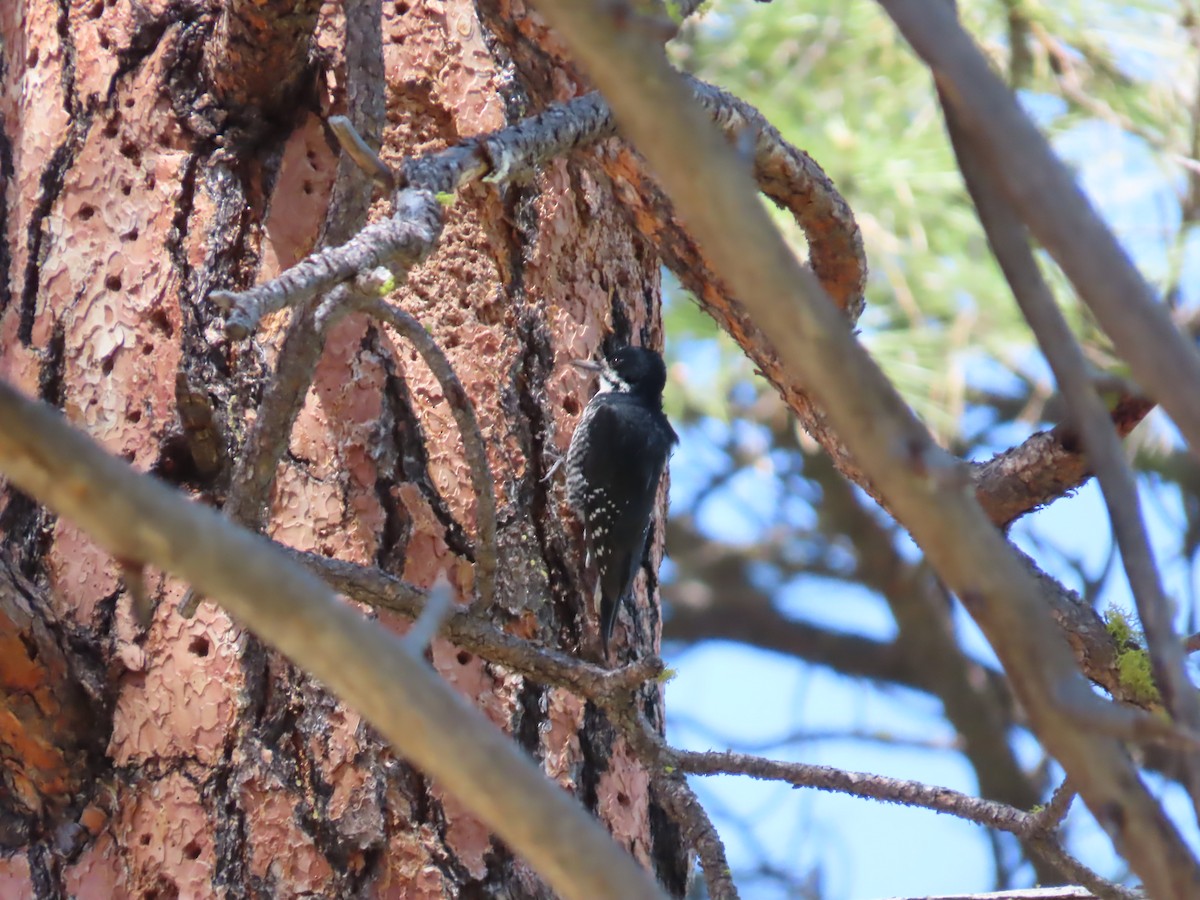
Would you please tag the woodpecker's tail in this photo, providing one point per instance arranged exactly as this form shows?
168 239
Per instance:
608 607
608 620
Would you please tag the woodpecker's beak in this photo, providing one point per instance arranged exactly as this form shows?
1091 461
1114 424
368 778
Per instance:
587 365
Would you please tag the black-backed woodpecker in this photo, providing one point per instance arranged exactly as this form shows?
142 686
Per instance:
616 458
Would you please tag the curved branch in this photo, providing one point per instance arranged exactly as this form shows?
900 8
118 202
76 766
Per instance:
472 437
1046 466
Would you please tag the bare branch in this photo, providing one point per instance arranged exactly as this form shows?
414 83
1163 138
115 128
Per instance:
1029 826
377 589
437 606
397 243
681 804
861 784
1045 466
1052 815
354 146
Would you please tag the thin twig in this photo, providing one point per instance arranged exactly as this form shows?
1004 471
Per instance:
1028 826
1051 816
681 804
861 784
358 150
437 607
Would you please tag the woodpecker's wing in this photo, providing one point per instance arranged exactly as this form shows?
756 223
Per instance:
618 464
625 454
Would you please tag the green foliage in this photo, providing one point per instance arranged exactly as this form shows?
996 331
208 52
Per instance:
839 82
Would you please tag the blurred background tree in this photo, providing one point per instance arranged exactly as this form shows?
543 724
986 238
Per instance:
803 623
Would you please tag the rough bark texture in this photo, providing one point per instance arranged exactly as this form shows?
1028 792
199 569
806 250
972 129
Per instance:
141 170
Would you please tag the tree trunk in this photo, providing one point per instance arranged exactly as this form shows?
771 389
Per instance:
153 152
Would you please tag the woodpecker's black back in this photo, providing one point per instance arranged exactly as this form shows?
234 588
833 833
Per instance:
614 464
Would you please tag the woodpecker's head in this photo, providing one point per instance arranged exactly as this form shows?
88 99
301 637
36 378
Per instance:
631 370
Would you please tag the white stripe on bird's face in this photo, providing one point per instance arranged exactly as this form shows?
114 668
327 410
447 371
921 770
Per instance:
611 381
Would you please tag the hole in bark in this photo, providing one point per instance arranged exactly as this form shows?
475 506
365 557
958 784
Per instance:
622 798
307 188
105 43
86 212
199 647
150 181
147 349
129 101
144 840
175 462
131 152
191 850
112 126
159 320
32 59
402 8
97 10
134 416
107 365
126 188
130 235
570 406
113 282
463 657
